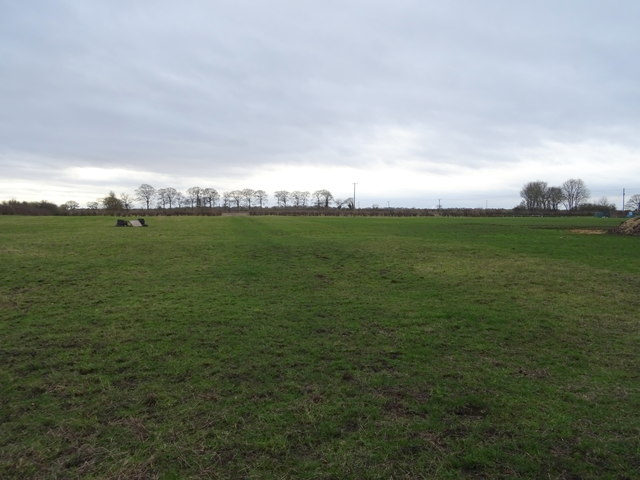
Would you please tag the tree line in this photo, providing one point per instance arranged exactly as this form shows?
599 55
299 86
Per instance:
198 197
572 195
536 196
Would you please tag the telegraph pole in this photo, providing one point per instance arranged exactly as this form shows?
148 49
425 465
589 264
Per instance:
354 196
623 192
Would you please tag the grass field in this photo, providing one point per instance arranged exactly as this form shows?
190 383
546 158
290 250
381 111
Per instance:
319 348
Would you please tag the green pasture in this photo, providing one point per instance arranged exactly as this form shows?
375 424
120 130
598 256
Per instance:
319 348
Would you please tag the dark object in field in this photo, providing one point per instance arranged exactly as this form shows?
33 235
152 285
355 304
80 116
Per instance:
131 223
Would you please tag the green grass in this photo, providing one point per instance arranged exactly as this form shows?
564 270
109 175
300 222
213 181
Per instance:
319 348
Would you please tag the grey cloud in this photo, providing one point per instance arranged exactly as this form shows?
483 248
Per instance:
170 86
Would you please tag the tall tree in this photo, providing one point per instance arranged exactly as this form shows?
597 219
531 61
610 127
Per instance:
282 197
112 203
161 195
195 196
226 199
171 194
247 196
575 192
318 197
534 195
553 198
127 201
323 198
633 203
299 198
296 198
180 200
236 197
145 193
261 197
210 197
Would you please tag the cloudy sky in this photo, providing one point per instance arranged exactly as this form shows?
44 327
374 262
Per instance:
418 101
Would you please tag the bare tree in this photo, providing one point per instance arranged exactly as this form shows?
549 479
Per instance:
318 197
575 192
210 196
226 199
282 197
296 198
323 198
145 193
127 201
195 196
93 205
606 204
261 197
161 195
71 205
633 203
171 195
236 197
300 198
347 202
180 200
534 195
553 198
247 196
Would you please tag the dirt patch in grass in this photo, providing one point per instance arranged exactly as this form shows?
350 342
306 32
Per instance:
588 231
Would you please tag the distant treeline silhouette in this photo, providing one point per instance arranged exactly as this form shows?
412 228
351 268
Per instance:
538 199
14 207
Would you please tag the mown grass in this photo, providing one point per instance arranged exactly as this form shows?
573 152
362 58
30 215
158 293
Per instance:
324 348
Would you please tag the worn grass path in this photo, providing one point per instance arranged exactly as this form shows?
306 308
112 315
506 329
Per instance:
268 347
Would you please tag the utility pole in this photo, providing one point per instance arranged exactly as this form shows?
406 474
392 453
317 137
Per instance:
354 196
623 192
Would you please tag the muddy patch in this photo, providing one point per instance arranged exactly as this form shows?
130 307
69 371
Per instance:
588 231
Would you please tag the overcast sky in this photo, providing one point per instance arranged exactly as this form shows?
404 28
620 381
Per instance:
417 101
